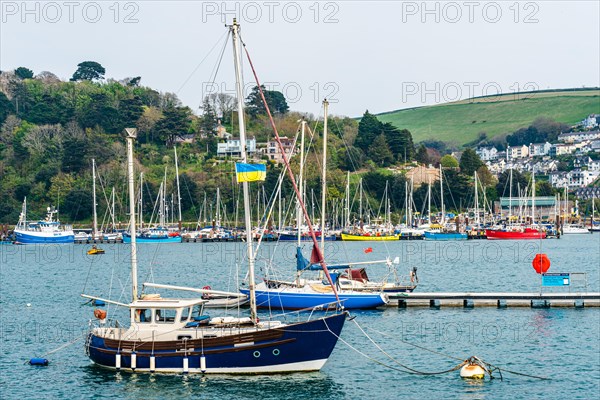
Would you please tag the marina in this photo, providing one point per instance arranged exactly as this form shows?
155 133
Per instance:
218 215
537 340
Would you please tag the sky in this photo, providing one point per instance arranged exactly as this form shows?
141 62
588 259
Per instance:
379 56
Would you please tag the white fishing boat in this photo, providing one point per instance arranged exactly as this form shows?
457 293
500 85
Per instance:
44 231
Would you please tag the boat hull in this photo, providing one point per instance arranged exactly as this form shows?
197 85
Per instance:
373 238
288 348
445 236
290 299
44 238
170 239
286 237
528 234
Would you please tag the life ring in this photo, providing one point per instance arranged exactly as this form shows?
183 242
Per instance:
99 313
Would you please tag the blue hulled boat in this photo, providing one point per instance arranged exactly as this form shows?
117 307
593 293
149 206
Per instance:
46 231
173 335
155 235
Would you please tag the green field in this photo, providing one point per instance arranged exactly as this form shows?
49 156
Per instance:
461 122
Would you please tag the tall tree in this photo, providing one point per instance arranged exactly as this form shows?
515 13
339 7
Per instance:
380 152
6 107
89 71
24 73
369 127
469 162
400 142
209 116
175 123
275 100
422 156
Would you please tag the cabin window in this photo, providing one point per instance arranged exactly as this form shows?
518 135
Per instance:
198 310
143 315
185 314
166 315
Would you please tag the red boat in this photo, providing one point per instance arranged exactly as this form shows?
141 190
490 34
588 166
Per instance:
520 233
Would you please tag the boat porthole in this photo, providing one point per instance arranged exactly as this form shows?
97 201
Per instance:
257 354
276 352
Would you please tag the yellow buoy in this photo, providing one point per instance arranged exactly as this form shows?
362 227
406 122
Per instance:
472 371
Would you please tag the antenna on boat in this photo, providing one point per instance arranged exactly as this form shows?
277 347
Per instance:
131 136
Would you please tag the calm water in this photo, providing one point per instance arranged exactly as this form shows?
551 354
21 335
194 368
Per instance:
561 343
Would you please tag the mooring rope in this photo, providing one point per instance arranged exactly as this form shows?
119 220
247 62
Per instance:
487 367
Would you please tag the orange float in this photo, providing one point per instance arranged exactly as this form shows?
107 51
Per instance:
541 263
99 313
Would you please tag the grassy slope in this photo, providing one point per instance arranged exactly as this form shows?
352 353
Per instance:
453 122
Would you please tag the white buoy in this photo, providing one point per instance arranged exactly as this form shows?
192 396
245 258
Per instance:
472 371
186 366
152 363
118 361
203 364
133 360
28 304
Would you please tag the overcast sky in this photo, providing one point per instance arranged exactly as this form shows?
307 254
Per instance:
377 55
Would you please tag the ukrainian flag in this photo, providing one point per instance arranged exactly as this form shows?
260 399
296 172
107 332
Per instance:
250 172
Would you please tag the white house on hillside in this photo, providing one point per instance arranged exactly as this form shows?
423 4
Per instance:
576 137
539 149
231 147
487 153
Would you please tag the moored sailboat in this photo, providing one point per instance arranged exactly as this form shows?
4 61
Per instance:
173 335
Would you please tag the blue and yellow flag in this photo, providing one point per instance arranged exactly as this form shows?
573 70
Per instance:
250 172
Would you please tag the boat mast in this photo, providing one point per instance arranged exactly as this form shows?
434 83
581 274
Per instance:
360 211
533 197
442 194
131 135
429 200
178 191
95 232
347 222
244 158
301 181
112 209
476 202
510 185
324 177
141 200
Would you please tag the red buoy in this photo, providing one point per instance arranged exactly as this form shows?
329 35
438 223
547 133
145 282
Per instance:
541 263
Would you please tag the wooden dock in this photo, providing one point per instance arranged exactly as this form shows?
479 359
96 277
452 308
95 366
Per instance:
499 300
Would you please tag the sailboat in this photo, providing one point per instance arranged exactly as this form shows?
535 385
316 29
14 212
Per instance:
515 232
440 231
309 293
570 228
367 233
173 335
158 233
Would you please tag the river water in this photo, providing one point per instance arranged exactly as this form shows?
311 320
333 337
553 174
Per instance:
41 310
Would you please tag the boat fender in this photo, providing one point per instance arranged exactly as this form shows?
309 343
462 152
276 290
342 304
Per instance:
203 363
43 362
100 314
